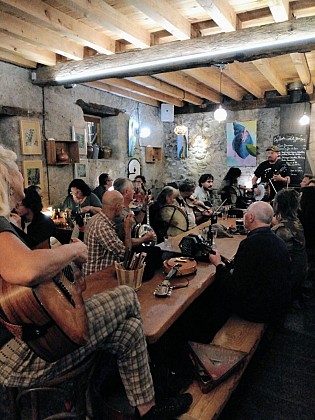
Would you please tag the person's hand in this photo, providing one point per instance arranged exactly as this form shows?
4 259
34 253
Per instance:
208 212
149 236
16 220
277 177
215 259
128 222
256 191
81 251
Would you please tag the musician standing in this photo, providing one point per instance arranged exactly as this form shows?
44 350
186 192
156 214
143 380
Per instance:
273 172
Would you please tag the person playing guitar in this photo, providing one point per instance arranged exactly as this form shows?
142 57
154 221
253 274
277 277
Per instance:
273 172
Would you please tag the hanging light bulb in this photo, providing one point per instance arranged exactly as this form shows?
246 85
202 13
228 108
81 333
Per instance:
305 119
220 114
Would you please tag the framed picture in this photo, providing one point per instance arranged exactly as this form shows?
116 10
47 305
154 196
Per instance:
31 141
81 170
79 134
241 143
33 173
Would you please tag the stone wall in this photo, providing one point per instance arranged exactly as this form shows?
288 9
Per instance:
209 156
60 111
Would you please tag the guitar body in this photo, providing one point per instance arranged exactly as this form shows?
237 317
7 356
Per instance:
50 317
186 266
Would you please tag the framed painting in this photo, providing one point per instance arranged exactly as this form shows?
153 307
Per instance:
81 170
33 173
241 143
79 134
31 141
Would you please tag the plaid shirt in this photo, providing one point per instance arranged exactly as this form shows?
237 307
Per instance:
104 246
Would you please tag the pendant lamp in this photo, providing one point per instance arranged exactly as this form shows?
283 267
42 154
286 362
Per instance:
220 114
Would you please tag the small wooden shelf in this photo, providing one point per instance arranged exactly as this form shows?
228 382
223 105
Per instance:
70 147
153 154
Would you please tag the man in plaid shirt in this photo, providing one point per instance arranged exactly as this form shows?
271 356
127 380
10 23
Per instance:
104 246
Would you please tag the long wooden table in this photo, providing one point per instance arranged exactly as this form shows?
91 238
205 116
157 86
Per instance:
159 314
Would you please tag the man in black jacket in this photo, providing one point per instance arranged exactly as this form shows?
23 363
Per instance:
257 289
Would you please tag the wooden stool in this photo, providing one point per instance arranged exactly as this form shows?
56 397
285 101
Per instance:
80 376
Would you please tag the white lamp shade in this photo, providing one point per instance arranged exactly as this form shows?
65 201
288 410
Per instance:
220 114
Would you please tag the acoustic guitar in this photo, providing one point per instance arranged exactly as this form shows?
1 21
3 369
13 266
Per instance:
49 317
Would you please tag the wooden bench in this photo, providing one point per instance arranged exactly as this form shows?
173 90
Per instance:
236 334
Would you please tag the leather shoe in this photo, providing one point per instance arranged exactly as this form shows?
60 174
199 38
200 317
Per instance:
169 408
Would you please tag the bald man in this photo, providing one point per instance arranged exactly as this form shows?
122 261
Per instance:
104 246
257 289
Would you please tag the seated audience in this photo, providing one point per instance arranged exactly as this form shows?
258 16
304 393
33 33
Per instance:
32 221
100 237
231 190
289 228
125 187
256 289
36 188
203 191
114 317
105 182
167 197
139 196
80 199
306 179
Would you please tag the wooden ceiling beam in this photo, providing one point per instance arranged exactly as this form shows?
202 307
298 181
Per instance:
159 85
235 72
111 20
221 12
51 18
12 58
122 92
303 70
211 77
165 15
134 87
42 38
188 84
242 45
279 9
27 51
266 69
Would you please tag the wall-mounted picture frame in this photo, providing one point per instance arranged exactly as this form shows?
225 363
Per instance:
31 141
81 170
33 173
79 134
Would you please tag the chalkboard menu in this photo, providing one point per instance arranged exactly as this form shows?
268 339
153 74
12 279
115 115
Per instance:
292 151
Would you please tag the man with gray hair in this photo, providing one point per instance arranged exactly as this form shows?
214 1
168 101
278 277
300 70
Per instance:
257 289
125 187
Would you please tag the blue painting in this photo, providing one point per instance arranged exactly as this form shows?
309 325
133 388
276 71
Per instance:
182 145
241 143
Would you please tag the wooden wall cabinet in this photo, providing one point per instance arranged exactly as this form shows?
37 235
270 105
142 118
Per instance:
153 154
53 148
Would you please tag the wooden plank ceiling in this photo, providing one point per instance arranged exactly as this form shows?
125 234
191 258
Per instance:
36 33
